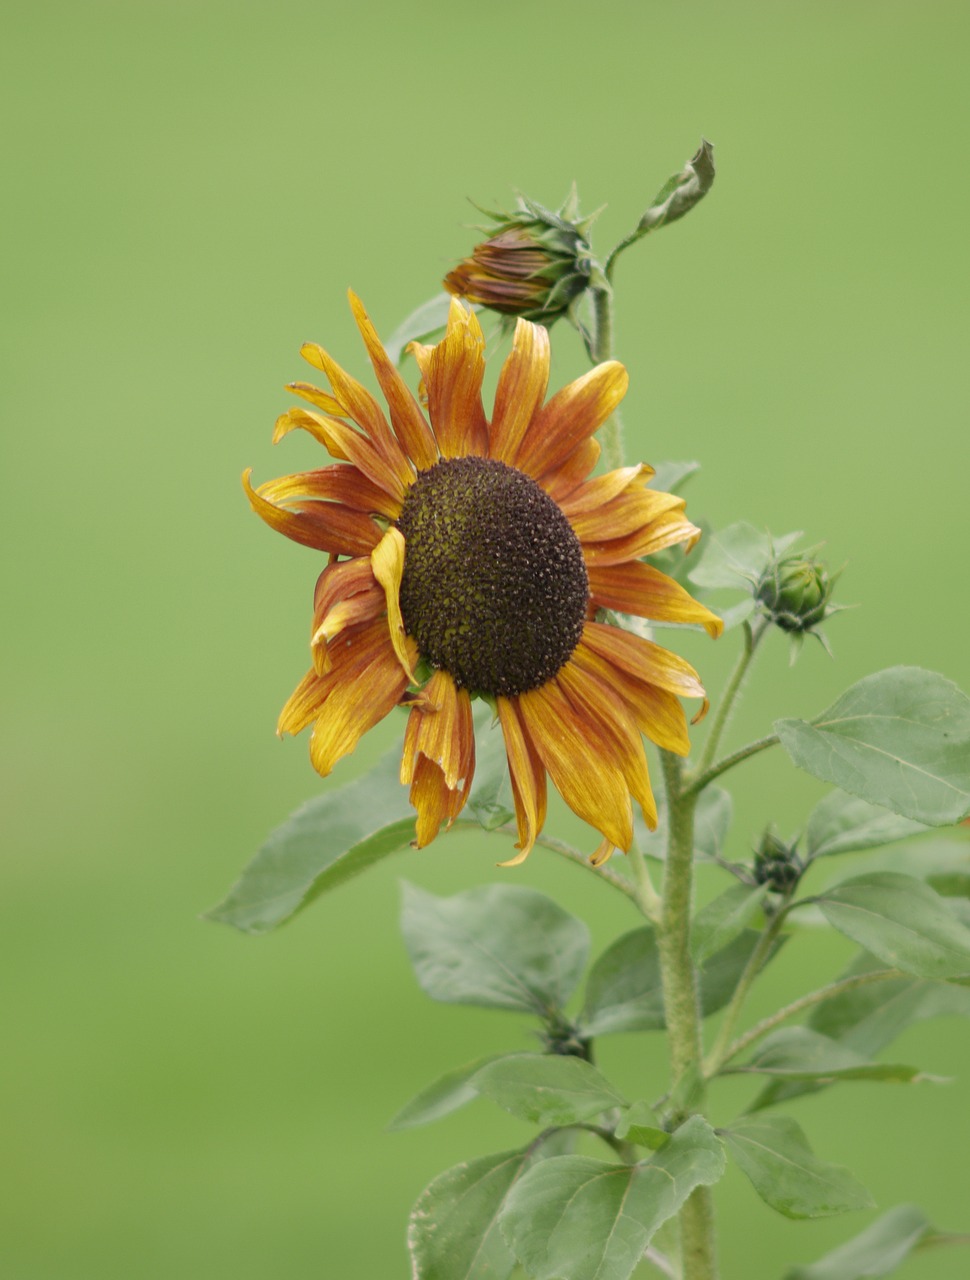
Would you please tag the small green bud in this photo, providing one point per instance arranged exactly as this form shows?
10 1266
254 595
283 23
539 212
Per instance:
795 591
535 264
776 864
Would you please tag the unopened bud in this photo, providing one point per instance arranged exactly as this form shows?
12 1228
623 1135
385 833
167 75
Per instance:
776 864
795 592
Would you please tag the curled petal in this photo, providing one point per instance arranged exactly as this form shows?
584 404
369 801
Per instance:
644 591
315 395
338 483
528 779
452 373
521 389
407 419
573 414
438 760
324 526
603 854
387 562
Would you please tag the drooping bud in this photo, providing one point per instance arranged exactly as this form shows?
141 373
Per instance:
795 592
536 264
776 864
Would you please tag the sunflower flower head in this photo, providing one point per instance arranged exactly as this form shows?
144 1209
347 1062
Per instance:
534 263
471 555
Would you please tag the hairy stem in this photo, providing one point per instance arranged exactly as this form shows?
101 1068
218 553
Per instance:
752 637
682 1006
611 433
698 782
718 1055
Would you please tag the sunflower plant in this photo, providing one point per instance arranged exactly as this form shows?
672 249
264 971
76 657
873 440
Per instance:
499 573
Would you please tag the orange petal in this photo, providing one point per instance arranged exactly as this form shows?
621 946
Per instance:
602 854
406 417
586 777
521 389
324 526
387 562
642 659
528 779
314 395
611 721
362 694
438 759
656 711
338 483
644 591
666 531
317 426
357 403
343 441
304 703
563 479
452 375
573 414
595 493
635 510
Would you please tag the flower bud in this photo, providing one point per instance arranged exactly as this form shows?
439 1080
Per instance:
795 592
776 864
534 265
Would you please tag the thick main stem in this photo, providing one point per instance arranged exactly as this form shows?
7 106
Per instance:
682 1009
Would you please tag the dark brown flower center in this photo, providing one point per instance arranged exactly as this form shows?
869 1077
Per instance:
494 588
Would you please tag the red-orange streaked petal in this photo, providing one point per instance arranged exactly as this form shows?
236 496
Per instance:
564 478
324 526
643 659
644 591
667 531
339 483
438 759
315 395
352 612
452 374
355 704
611 721
656 711
592 495
528 777
345 442
387 563
634 510
573 414
584 775
407 419
521 389
357 403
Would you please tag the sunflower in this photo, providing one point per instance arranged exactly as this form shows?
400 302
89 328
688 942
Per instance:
473 557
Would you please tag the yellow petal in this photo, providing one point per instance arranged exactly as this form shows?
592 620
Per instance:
521 389
573 414
387 562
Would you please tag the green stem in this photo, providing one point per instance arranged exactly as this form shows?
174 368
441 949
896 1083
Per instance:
698 782
612 878
718 1054
801 1004
647 898
752 637
682 1006
611 433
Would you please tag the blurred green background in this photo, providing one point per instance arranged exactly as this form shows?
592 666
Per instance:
190 189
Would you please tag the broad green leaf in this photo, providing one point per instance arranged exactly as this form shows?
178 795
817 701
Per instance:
324 843
453 1232
582 1218
491 794
878 1250
799 1053
712 819
442 1096
423 323
623 991
502 946
902 921
547 1089
773 1153
899 739
638 1124
721 921
841 823
738 556
670 477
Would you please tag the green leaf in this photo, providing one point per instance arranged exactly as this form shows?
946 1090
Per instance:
841 823
799 1053
453 1232
547 1089
491 795
878 1250
638 1124
712 819
899 739
721 921
582 1218
423 323
501 946
738 556
681 192
902 921
442 1096
773 1153
324 843
623 990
